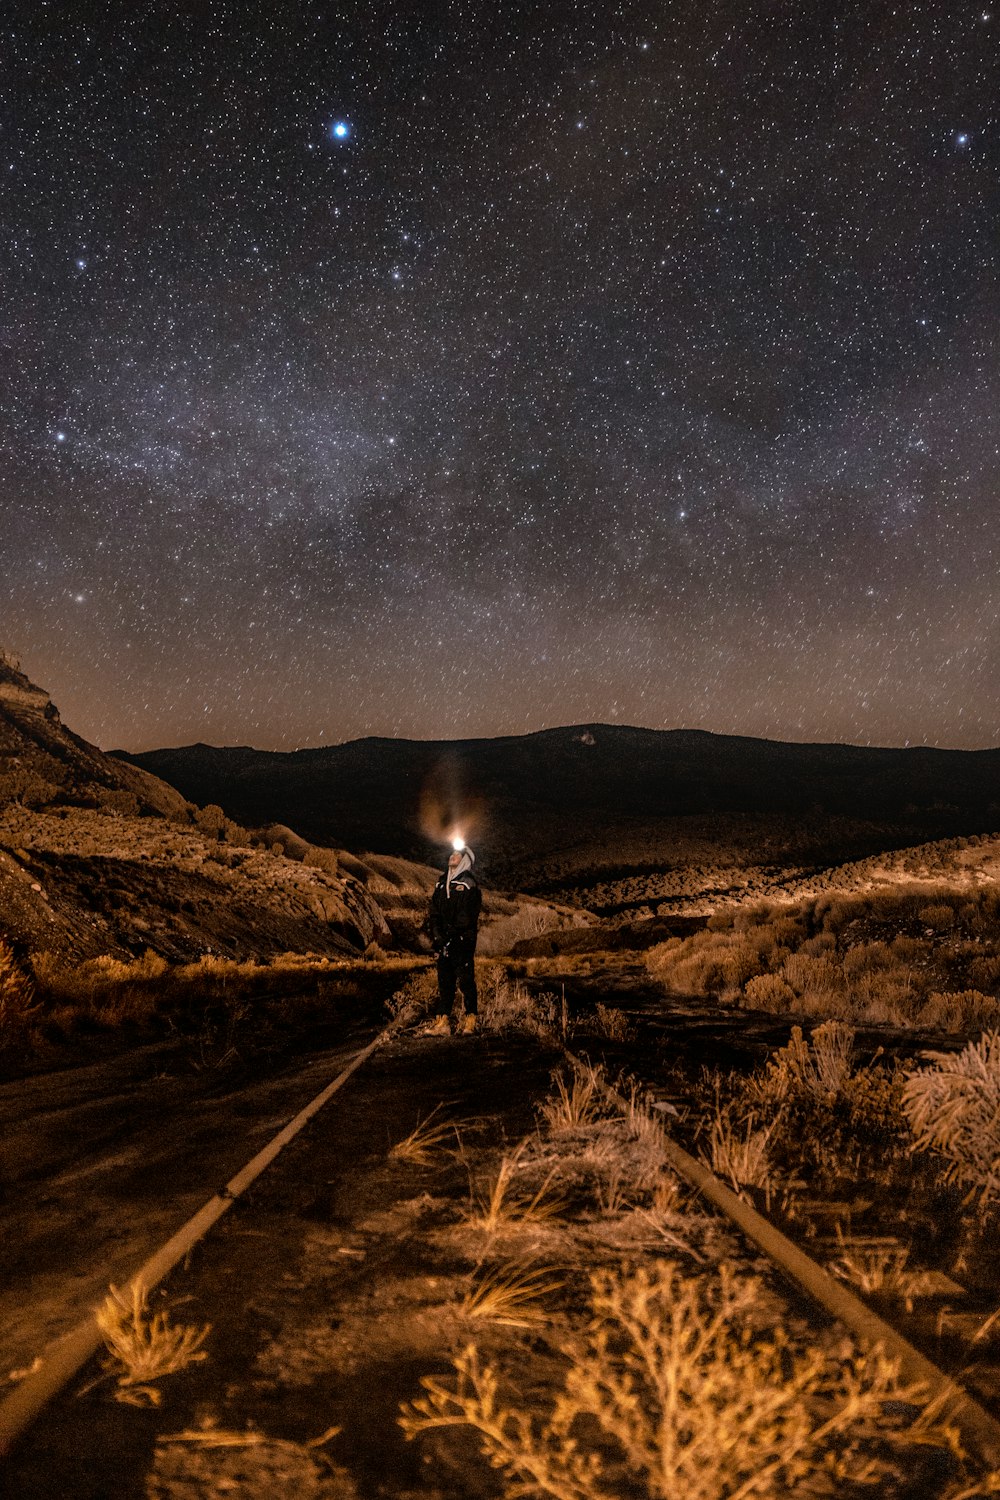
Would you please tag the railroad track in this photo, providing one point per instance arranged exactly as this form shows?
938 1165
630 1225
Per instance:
65 1360
54 1369
934 1338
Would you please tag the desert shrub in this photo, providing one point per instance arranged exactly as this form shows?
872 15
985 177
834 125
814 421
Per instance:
660 957
939 917
672 1390
835 913
953 1108
959 1010
907 950
818 945
768 992
756 915
211 820
499 936
866 958
721 920
818 982
816 1068
612 1023
28 788
415 998
18 1010
863 956
984 972
322 859
883 1000
125 804
746 956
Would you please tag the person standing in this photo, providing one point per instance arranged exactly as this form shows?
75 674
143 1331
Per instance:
453 922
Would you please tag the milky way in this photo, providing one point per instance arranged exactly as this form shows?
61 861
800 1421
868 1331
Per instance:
467 369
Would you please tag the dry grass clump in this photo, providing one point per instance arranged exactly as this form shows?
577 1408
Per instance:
953 1108
144 1347
207 999
576 1104
18 1008
740 1154
672 1390
612 1024
109 991
425 1145
879 1269
511 1295
500 1205
507 1004
824 1116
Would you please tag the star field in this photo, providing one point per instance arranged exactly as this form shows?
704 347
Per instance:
464 369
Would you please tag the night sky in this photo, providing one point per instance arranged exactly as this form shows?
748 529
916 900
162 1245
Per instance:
467 369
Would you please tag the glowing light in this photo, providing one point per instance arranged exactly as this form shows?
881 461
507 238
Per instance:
340 130
458 843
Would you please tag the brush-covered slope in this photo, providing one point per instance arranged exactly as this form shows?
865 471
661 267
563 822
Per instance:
611 816
98 856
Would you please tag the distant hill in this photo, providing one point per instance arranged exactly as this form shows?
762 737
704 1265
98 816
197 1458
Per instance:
588 810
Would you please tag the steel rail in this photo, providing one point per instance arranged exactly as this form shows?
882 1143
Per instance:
63 1358
980 1430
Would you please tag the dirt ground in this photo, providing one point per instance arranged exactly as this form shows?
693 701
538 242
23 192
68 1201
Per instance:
338 1281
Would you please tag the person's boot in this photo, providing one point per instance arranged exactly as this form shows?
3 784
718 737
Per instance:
438 1026
469 1024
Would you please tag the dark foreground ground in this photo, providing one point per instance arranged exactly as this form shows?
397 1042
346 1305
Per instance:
337 1282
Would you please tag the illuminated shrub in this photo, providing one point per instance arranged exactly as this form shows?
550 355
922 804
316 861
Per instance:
953 1108
768 992
673 1391
959 1010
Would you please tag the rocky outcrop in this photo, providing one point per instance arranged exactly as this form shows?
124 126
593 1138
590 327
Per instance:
43 764
80 883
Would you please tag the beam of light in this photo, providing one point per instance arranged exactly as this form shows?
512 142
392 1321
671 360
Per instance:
458 843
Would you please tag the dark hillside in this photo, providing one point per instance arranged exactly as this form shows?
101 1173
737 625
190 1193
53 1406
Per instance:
568 806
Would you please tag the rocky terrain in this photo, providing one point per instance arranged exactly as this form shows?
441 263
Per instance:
98 856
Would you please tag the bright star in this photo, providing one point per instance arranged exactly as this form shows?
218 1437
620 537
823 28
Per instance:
340 130
961 139
60 437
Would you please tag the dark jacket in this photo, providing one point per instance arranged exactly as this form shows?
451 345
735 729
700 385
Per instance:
454 912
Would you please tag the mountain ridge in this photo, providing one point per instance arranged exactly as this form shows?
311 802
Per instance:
590 798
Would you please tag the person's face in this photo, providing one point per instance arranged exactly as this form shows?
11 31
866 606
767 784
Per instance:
455 859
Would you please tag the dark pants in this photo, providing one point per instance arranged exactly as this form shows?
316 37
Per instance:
457 966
